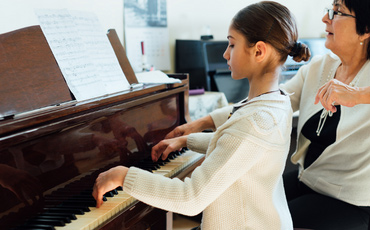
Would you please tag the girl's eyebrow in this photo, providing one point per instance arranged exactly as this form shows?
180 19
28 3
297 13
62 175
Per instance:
228 37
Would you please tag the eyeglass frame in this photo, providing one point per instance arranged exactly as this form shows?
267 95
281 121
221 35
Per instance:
331 13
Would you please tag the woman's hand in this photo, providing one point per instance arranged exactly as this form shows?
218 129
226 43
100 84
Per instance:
335 92
108 181
166 146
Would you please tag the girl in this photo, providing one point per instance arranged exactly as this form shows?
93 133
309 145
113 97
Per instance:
239 184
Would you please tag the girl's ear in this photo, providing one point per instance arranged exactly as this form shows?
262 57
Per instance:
260 51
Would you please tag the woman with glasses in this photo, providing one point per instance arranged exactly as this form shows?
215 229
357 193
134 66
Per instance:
331 189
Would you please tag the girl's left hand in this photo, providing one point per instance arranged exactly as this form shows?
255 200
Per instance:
166 146
108 181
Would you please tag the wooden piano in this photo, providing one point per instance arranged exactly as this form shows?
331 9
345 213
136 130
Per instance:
52 147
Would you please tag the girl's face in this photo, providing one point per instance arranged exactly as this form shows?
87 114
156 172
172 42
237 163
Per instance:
238 55
341 30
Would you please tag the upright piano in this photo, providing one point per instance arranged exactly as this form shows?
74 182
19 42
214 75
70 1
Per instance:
53 147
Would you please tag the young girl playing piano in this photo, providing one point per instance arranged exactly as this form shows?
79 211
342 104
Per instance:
239 184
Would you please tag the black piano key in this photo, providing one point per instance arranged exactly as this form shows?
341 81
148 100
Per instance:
109 194
70 216
61 218
36 227
88 193
164 161
73 203
76 211
151 162
46 222
160 163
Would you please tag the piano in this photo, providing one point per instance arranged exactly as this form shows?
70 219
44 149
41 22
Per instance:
53 147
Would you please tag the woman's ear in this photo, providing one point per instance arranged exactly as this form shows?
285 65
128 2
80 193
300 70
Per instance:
260 51
365 36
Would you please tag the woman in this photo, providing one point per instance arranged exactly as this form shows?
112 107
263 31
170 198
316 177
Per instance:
239 184
331 189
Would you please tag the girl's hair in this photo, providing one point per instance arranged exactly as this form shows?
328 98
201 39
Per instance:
272 23
361 8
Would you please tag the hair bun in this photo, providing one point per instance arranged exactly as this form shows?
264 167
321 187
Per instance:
296 49
300 52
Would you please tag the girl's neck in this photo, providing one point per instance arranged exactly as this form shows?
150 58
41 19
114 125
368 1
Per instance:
266 83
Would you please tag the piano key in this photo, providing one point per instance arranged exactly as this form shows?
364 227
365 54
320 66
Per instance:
99 215
70 216
65 219
44 221
64 210
67 216
37 227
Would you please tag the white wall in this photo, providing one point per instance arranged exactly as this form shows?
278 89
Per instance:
187 19
15 14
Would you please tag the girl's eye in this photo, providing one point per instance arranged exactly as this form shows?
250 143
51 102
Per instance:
231 46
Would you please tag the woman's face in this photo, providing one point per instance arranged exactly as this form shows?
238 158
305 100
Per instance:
341 37
238 55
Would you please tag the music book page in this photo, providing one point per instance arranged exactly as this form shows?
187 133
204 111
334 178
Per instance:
155 77
84 55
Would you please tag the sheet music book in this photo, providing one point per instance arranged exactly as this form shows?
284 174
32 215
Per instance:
83 53
155 77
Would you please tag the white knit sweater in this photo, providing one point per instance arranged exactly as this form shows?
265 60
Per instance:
239 184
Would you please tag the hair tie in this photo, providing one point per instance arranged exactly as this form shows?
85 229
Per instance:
296 49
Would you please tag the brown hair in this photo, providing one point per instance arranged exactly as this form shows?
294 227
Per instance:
272 23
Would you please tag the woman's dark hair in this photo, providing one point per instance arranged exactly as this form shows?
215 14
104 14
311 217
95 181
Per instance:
361 8
272 23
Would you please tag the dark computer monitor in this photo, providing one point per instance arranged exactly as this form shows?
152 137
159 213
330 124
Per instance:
189 59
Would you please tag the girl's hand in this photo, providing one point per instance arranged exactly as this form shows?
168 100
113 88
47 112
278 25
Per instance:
108 181
166 146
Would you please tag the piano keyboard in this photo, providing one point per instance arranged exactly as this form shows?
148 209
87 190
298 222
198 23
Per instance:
116 201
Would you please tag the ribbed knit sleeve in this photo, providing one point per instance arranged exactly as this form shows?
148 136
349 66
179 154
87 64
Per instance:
220 116
199 142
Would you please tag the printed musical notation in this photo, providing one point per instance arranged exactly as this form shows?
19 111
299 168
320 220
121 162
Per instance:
83 53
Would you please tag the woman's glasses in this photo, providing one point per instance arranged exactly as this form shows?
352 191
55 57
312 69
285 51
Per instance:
332 12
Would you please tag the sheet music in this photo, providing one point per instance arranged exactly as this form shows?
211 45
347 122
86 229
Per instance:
100 51
155 77
85 78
